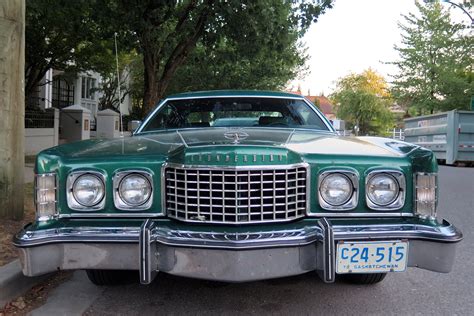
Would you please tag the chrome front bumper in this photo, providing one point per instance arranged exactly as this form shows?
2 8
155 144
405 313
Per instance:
224 256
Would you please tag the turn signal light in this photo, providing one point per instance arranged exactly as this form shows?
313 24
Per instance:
45 196
426 194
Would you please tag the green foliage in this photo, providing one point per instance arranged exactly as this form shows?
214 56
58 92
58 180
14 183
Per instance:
248 52
240 44
435 66
61 35
107 68
362 100
168 46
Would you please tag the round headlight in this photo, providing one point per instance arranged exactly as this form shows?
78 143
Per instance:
134 189
88 190
336 189
382 189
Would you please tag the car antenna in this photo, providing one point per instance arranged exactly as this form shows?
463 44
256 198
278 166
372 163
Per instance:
118 85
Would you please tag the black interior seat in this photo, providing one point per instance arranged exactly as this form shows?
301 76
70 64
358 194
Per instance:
269 120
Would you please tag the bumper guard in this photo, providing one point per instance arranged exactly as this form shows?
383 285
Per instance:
232 257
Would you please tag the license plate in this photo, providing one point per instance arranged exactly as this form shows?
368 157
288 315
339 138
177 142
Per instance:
371 257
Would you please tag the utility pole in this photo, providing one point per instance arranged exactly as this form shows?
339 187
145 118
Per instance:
12 107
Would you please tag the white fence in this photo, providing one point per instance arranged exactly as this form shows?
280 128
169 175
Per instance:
41 131
345 132
397 133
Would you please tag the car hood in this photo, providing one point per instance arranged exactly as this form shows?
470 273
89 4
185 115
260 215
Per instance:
295 140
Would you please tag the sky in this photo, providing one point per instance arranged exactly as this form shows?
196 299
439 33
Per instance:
351 37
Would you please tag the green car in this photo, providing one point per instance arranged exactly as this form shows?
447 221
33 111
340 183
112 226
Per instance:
237 186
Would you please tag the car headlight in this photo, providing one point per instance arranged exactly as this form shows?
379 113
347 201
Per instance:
88 190
385 190
337 190
133 190
85 191
382 189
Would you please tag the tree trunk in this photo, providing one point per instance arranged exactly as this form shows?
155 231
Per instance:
12 107
156 84
155 88
151 96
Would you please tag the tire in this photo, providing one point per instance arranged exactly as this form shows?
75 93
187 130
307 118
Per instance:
111 277
365 278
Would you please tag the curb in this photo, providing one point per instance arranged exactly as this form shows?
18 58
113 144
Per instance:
13 283
73 297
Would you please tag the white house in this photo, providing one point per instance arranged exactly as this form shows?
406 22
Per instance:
63 96
60 92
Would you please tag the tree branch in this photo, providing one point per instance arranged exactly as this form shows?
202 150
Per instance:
184 16
182 49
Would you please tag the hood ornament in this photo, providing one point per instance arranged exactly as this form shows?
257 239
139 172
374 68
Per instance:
236 135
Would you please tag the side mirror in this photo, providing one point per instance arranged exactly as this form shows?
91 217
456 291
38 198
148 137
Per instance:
133 125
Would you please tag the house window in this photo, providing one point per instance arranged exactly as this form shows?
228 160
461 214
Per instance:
63 93
88 88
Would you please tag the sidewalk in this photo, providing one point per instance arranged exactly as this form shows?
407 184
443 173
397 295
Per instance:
60 301
29 172
12 281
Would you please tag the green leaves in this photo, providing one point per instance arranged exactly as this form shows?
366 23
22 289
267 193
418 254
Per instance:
363 100
62 35
435 67
256 48
184 45
201 45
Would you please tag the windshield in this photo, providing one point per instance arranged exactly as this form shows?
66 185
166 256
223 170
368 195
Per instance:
235 112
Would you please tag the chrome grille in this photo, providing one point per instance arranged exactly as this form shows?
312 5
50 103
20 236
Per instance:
236 196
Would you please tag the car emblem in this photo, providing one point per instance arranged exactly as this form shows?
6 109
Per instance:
236 136
201 218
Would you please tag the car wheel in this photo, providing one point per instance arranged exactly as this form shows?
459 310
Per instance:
111 277
365 278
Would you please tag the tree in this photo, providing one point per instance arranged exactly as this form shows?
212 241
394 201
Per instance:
266 59
362 100
12 39
167 32
228 65
435 66
106 66
61 35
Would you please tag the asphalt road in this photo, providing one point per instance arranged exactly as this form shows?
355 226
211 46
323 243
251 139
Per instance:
414 292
